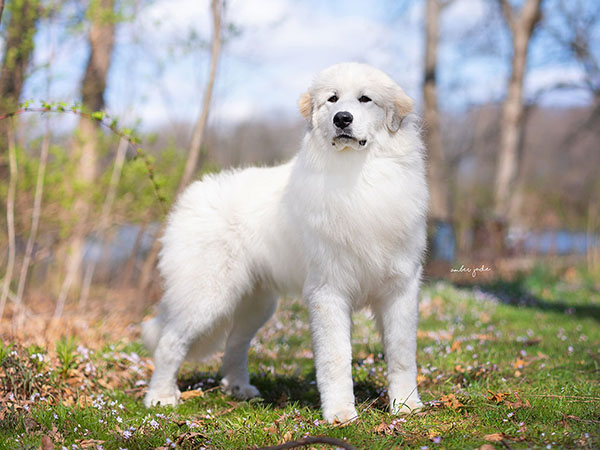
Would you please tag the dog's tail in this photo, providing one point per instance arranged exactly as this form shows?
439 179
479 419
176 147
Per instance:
151 331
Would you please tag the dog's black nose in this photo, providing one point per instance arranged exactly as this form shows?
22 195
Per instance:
342 119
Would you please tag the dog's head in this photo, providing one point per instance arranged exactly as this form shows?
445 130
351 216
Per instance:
349 103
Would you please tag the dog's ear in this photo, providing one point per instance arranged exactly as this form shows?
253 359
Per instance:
400 107
305 104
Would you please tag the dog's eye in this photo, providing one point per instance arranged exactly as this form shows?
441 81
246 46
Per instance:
333 99
364 99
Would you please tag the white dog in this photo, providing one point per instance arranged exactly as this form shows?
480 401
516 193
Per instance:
343 223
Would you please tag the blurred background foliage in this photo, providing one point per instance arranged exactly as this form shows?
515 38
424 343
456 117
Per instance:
509 92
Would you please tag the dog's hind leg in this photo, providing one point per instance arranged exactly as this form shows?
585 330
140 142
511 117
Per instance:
181 329
168 356
251 314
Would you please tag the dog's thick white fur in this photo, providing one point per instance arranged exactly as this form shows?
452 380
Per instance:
343 223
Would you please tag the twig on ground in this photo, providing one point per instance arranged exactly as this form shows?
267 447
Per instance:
578 397
311 440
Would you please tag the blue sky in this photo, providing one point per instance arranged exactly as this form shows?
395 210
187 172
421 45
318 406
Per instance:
157 76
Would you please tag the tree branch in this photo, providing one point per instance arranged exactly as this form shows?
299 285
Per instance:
444 3
311 440
509 14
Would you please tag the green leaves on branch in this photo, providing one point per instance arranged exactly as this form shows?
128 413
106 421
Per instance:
103 119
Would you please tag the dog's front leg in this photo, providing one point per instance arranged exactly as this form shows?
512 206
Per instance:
330 324
397 318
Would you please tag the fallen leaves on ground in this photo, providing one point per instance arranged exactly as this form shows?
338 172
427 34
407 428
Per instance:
450 401
384 428
512 400
185 395
25 377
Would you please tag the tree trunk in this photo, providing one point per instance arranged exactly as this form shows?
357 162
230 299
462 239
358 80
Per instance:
19 318
101 37
521 26
104 221
436 164
19 34
10 218
194 153
191 164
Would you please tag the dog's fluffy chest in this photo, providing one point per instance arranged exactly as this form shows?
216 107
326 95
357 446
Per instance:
355 219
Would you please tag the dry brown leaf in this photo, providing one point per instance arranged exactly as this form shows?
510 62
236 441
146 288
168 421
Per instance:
498 397
55 434
89 443
484 337
272 429
494 437
459 368
519 363
286 437
191 394
85 401
518 403
47 443
450 401
455 346
338 424
383 428
487 447
188 436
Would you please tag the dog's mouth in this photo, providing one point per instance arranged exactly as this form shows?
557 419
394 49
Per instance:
344 138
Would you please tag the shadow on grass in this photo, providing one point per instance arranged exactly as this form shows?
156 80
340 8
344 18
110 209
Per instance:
280 390
515 292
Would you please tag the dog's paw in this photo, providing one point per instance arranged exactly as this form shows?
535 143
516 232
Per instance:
241 391
343 415
164 398
405 406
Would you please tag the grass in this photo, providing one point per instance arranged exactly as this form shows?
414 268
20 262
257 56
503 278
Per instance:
509 364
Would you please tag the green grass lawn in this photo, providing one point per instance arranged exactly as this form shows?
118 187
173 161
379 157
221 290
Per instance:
512 364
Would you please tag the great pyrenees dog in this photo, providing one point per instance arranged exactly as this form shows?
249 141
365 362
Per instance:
343 224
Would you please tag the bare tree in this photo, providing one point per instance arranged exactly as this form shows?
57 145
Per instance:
575 33
101 38
521 25
10 218
439 207
191 164
194 153
35 221
19 34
